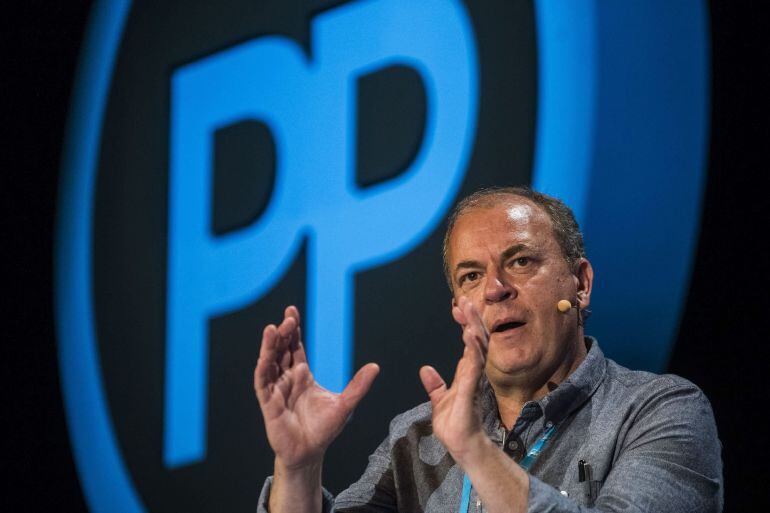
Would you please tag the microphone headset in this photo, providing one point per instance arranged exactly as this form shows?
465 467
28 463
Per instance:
565 305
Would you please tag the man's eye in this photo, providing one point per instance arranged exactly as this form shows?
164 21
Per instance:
520 262
471 276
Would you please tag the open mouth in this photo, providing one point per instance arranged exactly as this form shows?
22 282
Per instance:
507 326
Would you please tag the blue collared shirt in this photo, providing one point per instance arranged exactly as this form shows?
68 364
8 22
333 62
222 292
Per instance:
648 442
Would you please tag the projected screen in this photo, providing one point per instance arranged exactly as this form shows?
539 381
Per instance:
226 159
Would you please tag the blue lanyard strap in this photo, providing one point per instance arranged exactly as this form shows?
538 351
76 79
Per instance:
465 501
534 452
526 463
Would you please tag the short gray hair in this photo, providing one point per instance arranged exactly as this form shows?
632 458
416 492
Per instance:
565 226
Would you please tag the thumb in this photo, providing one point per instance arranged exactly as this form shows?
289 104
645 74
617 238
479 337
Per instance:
433 383
359 385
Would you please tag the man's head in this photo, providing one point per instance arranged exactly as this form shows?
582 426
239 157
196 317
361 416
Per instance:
565 227
514 253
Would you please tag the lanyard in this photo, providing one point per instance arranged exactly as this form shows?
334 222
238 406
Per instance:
526 463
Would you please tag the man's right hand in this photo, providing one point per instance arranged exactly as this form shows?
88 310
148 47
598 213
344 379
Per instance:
301 417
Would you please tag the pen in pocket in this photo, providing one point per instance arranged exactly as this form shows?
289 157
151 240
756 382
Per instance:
584 476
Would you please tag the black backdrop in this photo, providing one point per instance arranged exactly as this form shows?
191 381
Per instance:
721 342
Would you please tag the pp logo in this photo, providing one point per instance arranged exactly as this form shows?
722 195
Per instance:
308 103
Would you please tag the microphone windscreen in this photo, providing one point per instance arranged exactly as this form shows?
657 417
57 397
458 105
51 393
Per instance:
564 306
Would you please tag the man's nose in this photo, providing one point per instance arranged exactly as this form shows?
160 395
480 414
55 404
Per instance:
498 288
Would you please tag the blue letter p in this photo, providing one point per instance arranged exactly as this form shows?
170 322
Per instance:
309 106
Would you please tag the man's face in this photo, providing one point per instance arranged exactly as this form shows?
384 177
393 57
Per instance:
506 260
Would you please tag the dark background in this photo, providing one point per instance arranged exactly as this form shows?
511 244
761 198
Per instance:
722 340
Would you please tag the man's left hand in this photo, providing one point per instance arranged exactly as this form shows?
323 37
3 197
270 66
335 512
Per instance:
456 415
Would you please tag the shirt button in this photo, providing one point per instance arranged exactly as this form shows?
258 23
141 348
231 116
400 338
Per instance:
549 424
513 445
564 493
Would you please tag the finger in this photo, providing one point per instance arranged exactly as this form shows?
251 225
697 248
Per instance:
264 372
474 353
359 385
479 328
433 383
296 346
298 351
473 316
471 365
301 379
267 348
274 403
287 328
261 382
286 333
292 311
459 316
286 390
468 374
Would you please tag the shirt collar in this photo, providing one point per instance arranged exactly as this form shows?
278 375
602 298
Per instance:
563 400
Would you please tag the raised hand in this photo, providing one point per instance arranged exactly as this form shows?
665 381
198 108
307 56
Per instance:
301 417
456 415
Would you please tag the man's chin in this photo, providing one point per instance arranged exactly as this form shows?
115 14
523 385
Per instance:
510 366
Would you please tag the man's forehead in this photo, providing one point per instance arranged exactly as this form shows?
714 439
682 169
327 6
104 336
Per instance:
521 212
510 221
518 212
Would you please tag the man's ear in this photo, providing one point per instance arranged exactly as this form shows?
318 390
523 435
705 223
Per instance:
584 277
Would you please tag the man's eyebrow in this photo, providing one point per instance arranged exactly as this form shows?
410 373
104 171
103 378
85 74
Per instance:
468 264
512 250
508 253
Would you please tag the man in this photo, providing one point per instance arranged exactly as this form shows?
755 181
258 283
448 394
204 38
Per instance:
536 419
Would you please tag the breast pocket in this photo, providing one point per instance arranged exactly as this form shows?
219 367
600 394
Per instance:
585 493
